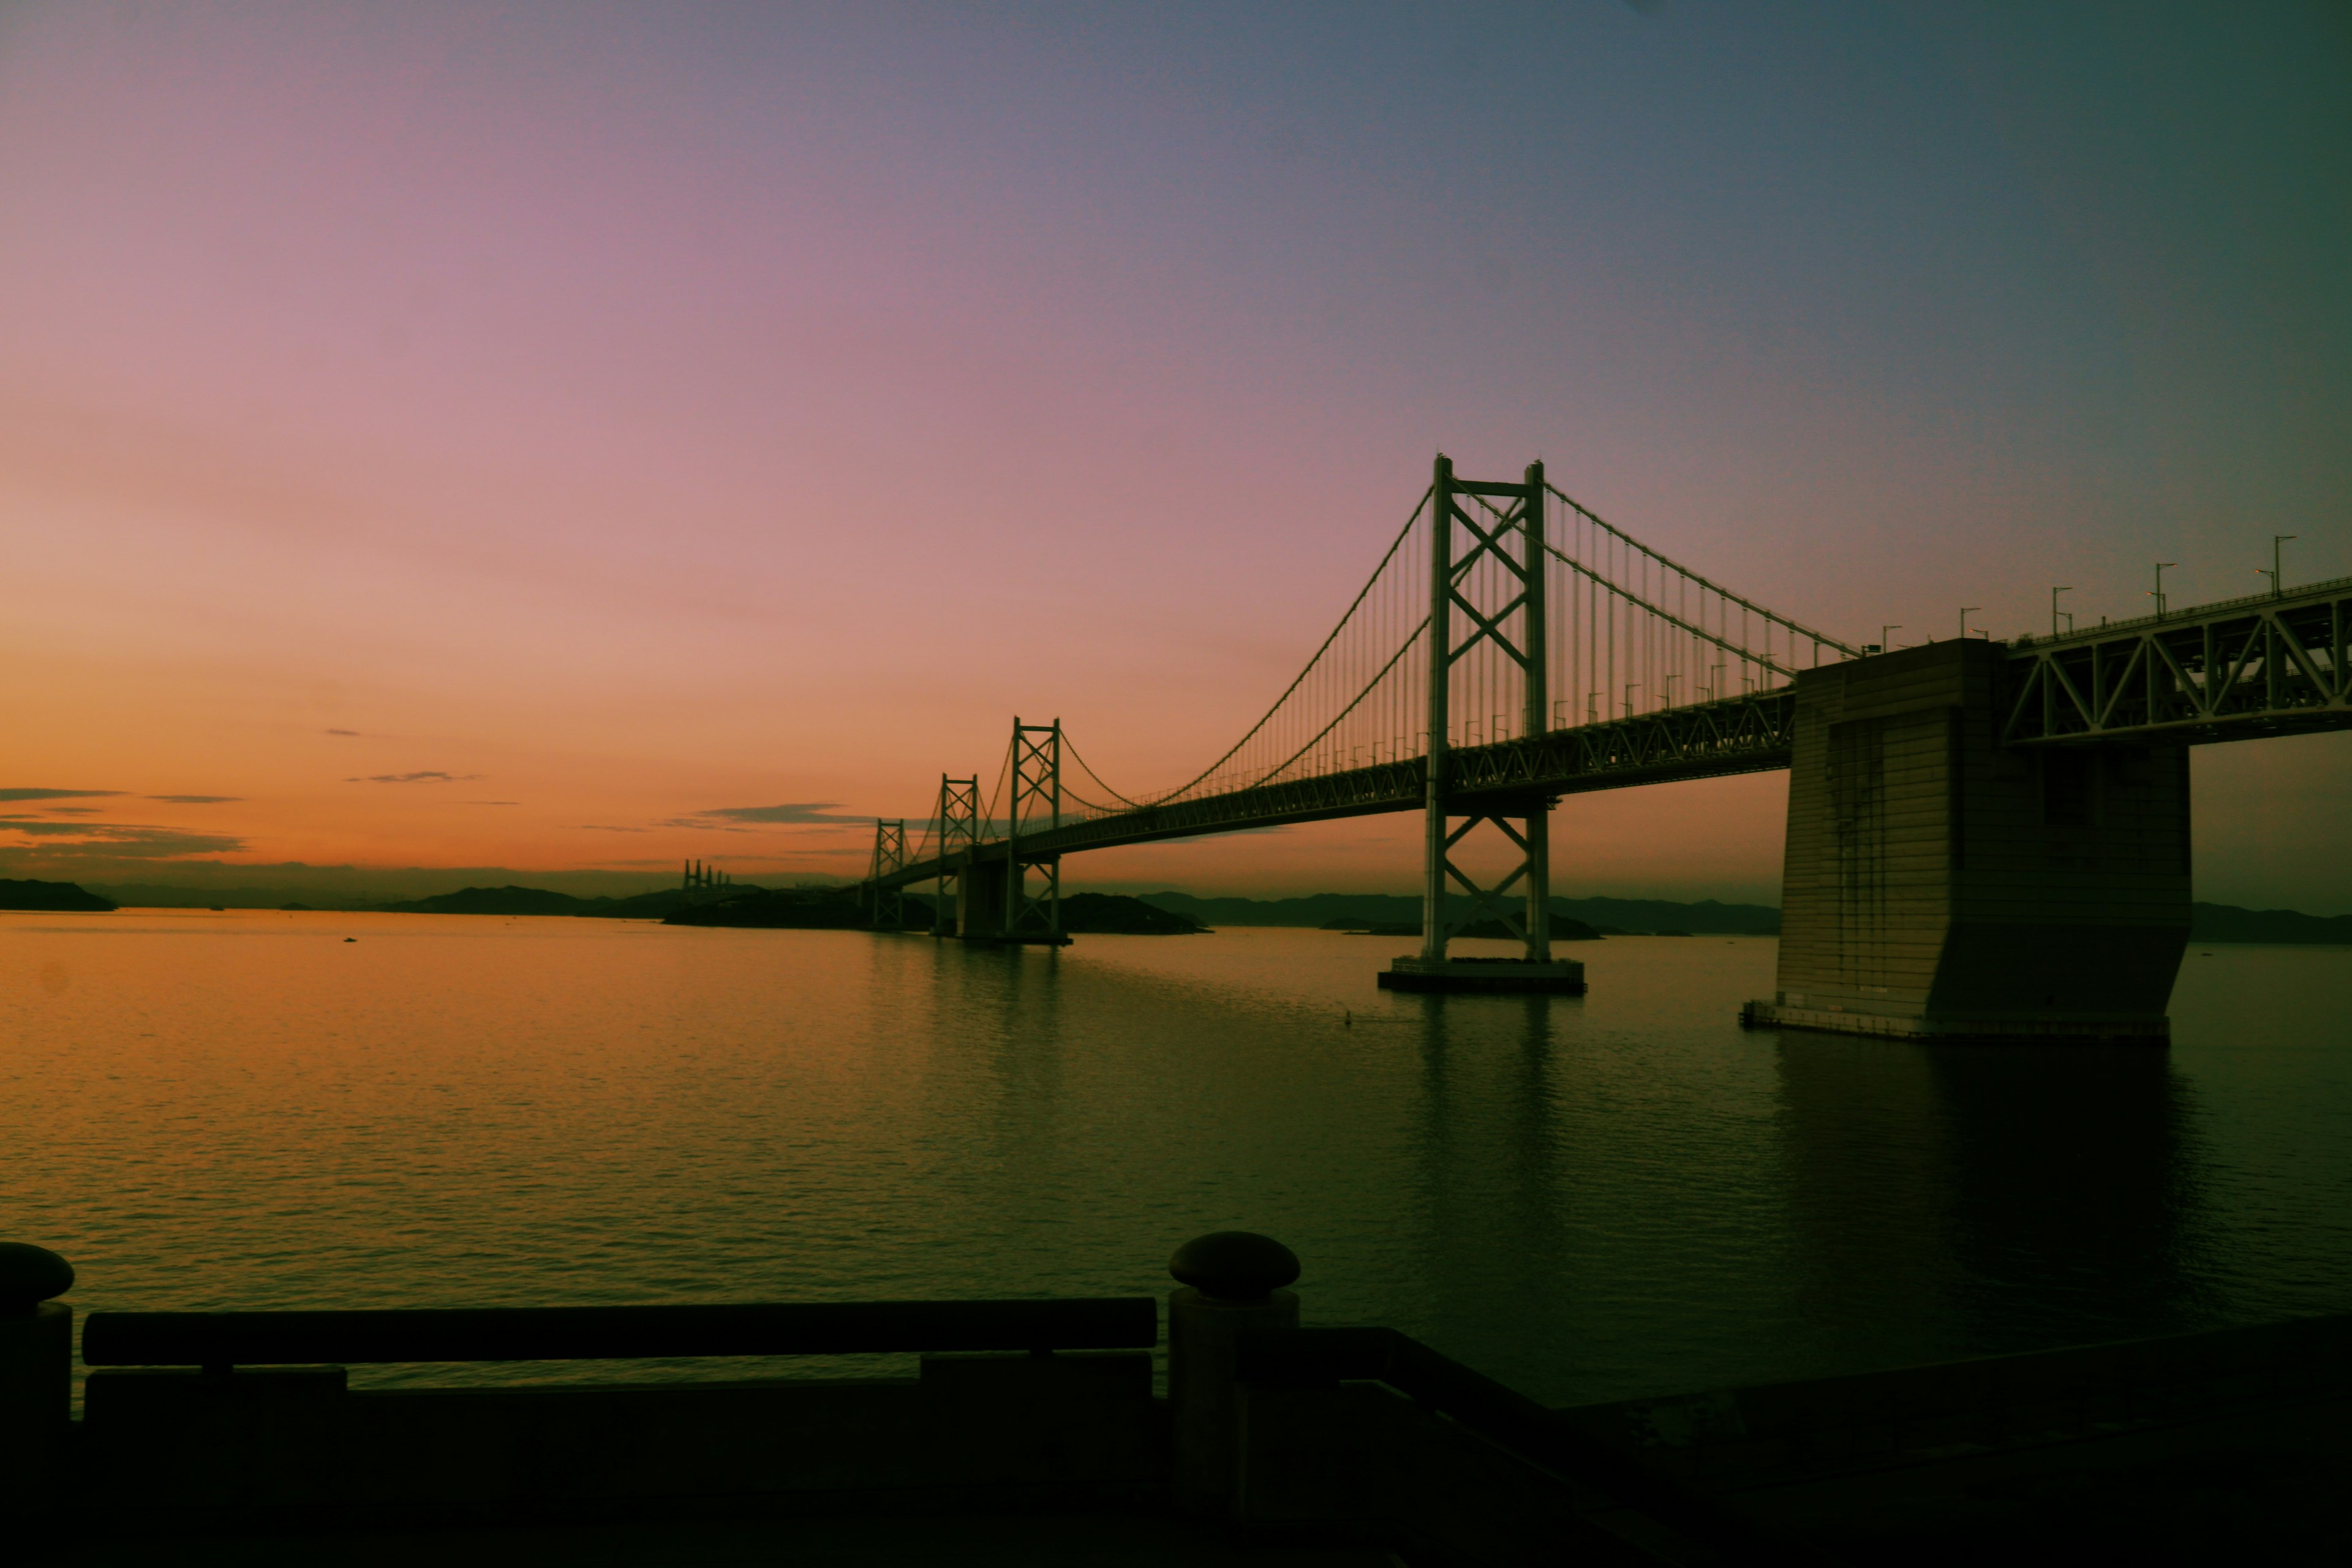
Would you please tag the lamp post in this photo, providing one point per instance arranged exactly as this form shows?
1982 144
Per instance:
1964 619
2275 572
1884 646
2157 593
2055 612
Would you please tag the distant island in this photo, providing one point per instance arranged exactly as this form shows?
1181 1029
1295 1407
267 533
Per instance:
1564 927
1115 914
835 909
1162 913
2227 922
512 901
25 895
784 908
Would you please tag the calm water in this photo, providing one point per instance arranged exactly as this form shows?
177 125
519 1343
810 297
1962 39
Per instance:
1589 1198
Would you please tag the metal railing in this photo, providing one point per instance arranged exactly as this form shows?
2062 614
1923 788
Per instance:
219 1341
1312 1357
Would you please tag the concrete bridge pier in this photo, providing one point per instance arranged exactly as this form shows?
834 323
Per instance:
980 899
1939 885
994 904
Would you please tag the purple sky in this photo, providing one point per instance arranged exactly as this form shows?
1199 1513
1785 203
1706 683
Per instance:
615 416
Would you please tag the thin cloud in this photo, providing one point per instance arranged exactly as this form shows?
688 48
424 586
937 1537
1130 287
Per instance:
73 810
426 775
489 803
609 827
743 819
197 799
116 840
353 734
54 793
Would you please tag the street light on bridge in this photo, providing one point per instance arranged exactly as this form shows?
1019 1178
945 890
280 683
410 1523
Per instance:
2157 593
1964 619
2275 572
2055 612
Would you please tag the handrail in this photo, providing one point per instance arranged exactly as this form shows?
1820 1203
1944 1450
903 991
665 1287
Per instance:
1305 1357
221 1340
2302 598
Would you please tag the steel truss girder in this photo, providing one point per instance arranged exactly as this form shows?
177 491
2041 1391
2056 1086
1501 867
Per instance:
1752 733
2238 670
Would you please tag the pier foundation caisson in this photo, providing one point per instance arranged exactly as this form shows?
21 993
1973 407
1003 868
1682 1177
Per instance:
1941 886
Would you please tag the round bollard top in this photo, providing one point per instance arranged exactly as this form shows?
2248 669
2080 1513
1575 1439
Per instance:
29 1276
1234 1265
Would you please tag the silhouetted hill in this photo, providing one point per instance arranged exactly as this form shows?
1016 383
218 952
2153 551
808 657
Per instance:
1564 927
788 908
508 901
514 900
659 904
26 895
2227 922
1328 910
1115 914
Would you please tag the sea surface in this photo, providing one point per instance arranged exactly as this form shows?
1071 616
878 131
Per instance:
1589 1198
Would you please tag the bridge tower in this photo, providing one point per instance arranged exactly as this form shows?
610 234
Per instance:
995 903
1511 535
1036 792
889 857
957 816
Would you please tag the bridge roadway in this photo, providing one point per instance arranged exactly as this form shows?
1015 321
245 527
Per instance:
2241 668
1705 740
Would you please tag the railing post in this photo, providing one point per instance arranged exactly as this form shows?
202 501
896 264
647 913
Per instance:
1441 678
36 1379
1231 1288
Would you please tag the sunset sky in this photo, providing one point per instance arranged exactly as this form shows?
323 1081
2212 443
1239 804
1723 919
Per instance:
573 437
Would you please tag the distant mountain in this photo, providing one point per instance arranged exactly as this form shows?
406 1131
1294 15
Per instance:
788 908
514 900
2227 922
156 896
659 904
1564 927
1115 914
1387 909
15 895
507 900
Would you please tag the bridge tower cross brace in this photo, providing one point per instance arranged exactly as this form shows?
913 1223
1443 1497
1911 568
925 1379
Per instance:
1036 792
889 857
1515 538
958 816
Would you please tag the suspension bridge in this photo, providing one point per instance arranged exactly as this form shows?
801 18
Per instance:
1985 839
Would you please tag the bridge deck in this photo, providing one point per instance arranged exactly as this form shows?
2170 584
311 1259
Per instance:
1740 735
2241 668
